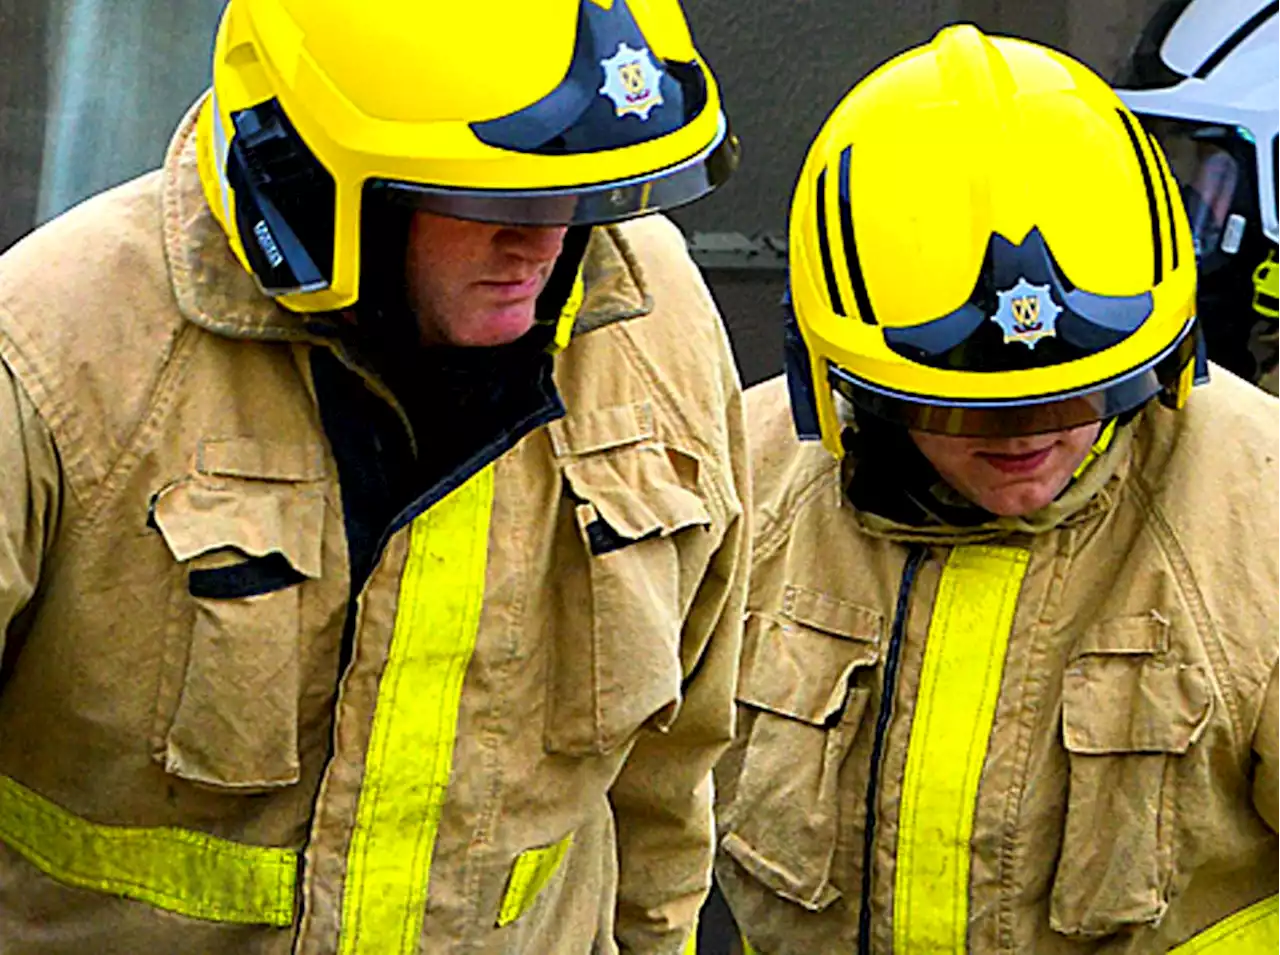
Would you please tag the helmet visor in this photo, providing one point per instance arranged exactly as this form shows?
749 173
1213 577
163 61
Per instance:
1023 416
593 204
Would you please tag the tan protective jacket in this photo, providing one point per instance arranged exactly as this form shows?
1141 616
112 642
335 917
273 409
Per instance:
515 759
1078 753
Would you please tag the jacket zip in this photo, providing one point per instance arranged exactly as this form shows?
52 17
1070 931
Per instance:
490 452
915 557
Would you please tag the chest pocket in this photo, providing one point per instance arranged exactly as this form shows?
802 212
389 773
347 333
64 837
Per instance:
247 528
644 533
801 711
1130 710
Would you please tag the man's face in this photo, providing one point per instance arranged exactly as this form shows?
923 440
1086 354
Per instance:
476 283
1010 477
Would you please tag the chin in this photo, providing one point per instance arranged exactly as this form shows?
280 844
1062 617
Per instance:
1018 504
487 331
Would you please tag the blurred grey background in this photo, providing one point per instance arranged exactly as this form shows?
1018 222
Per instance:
90 89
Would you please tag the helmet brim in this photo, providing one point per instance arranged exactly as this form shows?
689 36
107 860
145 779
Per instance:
1163 375
590 204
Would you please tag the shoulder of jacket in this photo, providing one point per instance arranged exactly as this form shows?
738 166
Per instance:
787 474
1215 459
1208 477
87 317
676 357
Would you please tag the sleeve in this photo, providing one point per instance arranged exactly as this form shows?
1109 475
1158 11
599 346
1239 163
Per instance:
30 499
1266 742
662 799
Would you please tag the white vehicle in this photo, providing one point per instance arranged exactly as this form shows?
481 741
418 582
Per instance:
1205 80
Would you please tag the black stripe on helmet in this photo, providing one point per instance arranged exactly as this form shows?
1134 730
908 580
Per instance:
859 284
1166 186
824 245
1153 207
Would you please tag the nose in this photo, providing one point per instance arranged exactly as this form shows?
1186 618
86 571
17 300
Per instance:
535 243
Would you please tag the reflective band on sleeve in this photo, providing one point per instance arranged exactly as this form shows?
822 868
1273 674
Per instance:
415 723
1251 931
532 871
959 685
178 870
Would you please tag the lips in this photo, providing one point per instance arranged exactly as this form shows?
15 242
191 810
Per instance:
1017 463
516 289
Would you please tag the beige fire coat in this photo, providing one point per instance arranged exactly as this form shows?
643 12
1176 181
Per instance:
500 742
1077 749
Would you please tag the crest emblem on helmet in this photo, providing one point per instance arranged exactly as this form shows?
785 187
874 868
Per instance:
631 80
1027 313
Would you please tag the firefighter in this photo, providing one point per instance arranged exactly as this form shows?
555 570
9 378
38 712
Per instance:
1009 665
371 561
1203 79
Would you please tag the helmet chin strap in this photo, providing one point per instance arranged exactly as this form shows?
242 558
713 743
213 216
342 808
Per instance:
561 298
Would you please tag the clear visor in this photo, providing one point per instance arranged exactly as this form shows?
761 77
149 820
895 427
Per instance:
1211 165
594 204
1027 416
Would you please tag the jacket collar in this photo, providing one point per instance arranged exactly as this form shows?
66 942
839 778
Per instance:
213 290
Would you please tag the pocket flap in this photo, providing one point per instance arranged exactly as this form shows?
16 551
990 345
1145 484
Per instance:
831 614
260 459
1137 634
636 491
599 429
254 517
1129 703
794 670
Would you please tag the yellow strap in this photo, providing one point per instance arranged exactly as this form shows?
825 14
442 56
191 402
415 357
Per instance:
532 871
178 870
959 685
1099 448
1251 931
415 723
569 313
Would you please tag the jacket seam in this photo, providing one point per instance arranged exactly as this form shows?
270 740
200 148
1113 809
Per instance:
773 535
159 400
707 453
1167 539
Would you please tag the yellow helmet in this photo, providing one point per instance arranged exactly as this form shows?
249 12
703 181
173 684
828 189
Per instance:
983 240
558 112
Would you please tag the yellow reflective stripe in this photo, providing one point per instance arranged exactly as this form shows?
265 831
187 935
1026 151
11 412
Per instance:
178 870
959 685
1251 931
532 871
415 723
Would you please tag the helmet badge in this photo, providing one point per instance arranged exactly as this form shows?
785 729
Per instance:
1027 313
631 80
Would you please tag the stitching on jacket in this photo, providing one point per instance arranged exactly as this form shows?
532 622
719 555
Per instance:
1181 567
771 536
708 456
159 401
